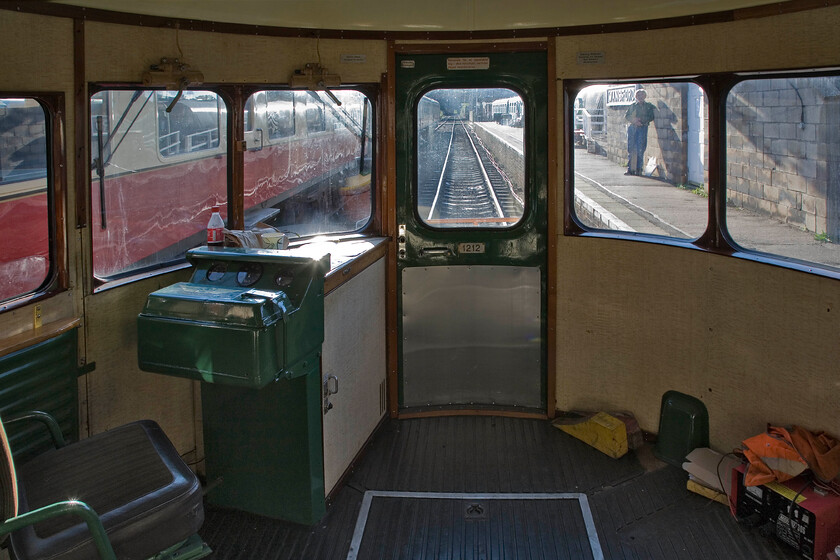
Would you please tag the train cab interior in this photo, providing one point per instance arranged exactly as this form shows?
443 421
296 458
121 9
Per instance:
492 280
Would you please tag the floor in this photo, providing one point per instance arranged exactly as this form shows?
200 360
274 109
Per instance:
639 507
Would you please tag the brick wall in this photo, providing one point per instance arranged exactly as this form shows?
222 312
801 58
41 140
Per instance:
782 150
783 147
667 135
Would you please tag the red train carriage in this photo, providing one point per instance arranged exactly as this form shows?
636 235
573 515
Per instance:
299 151
25 256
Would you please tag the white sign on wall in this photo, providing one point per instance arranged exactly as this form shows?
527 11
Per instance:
468 63
624 95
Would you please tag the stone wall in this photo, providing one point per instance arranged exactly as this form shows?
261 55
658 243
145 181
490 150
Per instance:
782 146
782 151
667 135
511 159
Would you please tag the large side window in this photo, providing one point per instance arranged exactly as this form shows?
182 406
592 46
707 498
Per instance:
158 166
640 158
783 167
308 161
25 261
641 166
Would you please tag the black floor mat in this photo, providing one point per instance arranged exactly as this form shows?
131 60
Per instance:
637 514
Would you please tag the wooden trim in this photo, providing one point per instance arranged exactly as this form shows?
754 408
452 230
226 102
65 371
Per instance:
236 155
80 125
553 216
341 274
29 338
125 18
54 107
570 227
378 218
470 412
390 221
462 48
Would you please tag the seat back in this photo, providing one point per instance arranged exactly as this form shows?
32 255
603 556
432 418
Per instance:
8 478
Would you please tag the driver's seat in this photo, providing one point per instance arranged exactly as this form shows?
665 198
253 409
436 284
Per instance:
124 493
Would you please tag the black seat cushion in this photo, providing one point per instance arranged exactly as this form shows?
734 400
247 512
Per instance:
132 476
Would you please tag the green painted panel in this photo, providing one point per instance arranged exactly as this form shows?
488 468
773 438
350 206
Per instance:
41 377
264 446
424 245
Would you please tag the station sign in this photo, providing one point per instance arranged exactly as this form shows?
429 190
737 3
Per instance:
623 95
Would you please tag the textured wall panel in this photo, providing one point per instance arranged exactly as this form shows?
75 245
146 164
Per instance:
353 351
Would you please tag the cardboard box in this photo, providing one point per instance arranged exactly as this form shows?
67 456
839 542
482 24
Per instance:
706 492
711 469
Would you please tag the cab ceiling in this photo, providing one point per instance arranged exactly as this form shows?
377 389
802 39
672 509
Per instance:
421 15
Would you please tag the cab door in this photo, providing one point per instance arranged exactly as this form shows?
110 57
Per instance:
471 205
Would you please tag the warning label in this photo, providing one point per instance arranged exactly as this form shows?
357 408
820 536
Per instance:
468 63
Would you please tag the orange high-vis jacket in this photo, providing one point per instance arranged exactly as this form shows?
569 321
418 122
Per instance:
780 454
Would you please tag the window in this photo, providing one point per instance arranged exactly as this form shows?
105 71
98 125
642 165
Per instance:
316 120
659 188
189 125
158 166
470 148
273 109
783 167
25 261
310 174
776 188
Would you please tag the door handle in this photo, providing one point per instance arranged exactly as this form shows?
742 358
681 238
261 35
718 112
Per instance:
329 389
435 252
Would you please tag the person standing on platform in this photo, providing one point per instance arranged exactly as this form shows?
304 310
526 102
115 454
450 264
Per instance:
640 114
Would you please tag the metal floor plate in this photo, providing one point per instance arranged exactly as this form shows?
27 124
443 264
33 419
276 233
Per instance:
445 525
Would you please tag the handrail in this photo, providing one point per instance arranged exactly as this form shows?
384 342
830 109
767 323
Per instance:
46 419
75 507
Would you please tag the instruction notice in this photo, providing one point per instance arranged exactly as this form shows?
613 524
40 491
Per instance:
468 63
353 58
591 57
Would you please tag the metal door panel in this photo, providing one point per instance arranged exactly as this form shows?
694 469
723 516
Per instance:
471 335
471 297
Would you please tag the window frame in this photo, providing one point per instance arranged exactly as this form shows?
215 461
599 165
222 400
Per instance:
235 96
527 208
716 238
140 273
184 155
56 281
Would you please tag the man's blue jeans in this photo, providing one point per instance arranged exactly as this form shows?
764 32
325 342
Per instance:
636 146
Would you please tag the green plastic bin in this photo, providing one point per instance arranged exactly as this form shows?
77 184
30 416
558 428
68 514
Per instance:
683 427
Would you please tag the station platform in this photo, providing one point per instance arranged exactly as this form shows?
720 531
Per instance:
606 198
649 205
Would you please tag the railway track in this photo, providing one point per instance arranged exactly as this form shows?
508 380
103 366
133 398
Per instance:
461 184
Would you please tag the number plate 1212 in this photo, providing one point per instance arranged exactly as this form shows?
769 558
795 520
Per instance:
470 248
